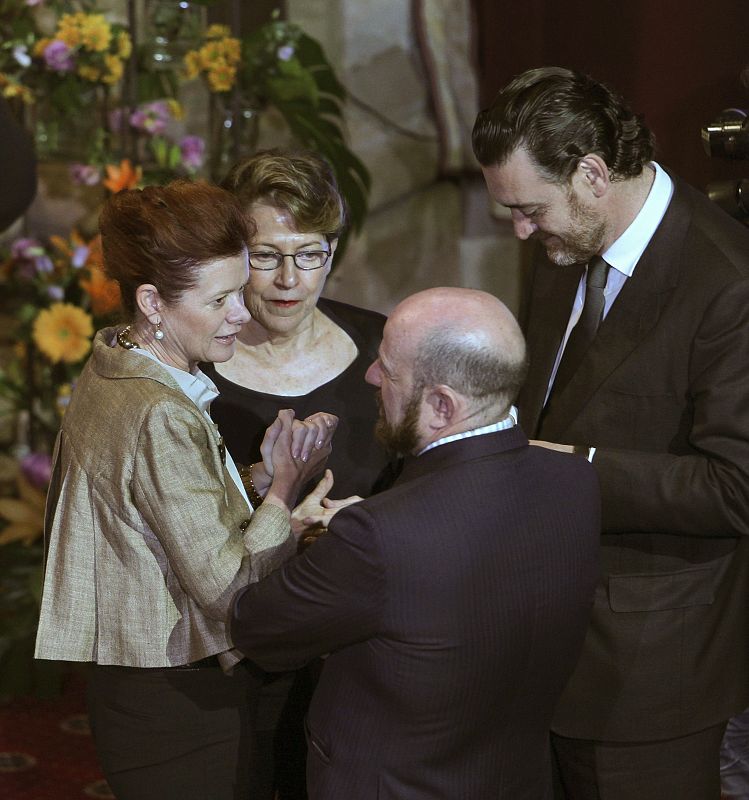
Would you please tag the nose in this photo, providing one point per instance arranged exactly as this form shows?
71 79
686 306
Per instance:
373 375
238 313
286 274
522 225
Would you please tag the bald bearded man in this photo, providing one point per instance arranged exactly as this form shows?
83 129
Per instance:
453 605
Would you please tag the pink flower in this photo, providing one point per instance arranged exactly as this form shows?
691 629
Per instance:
85 174
59 57
192 150
151 117
37 469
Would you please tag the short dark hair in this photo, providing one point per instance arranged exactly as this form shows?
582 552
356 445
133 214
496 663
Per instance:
163 235
558 116
480 372
299 182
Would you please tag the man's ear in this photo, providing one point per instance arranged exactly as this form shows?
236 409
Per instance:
593 174
442 405
149 301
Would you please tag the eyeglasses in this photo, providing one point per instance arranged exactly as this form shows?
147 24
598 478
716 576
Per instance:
305 260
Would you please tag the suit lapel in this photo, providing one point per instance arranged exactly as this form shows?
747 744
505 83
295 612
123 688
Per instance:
633 315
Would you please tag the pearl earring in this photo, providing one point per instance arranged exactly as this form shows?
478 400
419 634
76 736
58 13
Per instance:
158 334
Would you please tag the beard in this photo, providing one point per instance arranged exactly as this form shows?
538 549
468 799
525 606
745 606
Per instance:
581 241
400 438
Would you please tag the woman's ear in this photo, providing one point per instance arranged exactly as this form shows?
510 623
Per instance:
333 245
149 302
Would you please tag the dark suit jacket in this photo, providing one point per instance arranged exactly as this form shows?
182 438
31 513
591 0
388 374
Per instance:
453 607
663 394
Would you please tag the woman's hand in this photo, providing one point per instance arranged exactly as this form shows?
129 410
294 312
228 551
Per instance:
310 439
295 450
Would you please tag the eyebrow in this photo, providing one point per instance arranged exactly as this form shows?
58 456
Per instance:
316 243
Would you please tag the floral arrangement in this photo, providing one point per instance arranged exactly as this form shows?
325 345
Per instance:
87 45
277 66
217 59
61 296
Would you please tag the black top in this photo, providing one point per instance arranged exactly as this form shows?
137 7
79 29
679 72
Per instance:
242 414
17 166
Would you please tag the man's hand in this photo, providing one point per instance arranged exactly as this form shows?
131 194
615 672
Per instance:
312 516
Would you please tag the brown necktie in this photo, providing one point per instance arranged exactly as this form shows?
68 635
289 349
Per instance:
585 330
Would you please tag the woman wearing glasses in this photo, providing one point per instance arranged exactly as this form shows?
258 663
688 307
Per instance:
301 352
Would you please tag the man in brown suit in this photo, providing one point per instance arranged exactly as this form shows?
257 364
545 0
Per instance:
638 333
452 605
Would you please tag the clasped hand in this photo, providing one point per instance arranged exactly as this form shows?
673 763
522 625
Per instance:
294 451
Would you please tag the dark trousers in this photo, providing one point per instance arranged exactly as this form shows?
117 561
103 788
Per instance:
686 768
173 734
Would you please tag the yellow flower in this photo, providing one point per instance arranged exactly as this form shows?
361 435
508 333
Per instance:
115 67
89 73
221 77
232 50
217 31
41 46
96 34
124 45
63 332
13 89
175 109
25 515
192 64
69 29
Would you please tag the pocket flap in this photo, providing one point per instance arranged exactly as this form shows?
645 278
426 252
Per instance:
661 592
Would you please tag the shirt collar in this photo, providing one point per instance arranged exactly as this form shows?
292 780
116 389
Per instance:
197 386
625 252
508 422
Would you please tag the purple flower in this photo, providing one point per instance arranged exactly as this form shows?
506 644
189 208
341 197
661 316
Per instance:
37 469
116 119
30 258
33 3
285 53
151 117
59 57
80 254
192 150
85 174
26 249
56 293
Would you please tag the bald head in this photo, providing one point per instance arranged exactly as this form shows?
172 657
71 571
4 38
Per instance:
465 339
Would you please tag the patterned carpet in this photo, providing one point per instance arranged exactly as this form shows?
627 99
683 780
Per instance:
46 751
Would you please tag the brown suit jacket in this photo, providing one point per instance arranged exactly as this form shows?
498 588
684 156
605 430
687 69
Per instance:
664 395
453 606
148 536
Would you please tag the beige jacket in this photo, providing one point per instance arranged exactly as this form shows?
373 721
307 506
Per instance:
148 536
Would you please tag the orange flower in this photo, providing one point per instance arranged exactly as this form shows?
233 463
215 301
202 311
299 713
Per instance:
104 293
122 177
